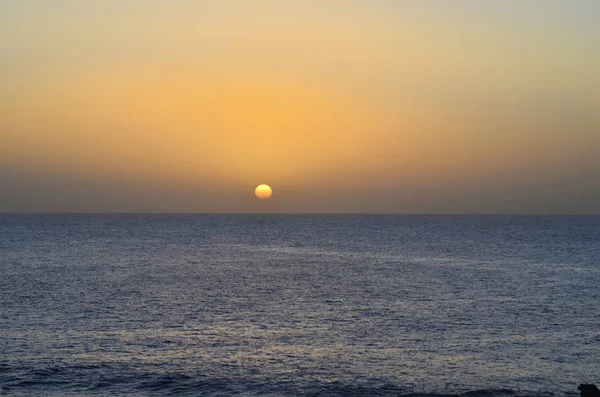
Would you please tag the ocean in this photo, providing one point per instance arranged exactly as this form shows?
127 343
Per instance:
298 305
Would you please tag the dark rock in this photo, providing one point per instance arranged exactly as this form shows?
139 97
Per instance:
590 390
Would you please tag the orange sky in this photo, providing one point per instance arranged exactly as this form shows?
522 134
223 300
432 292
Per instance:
340 106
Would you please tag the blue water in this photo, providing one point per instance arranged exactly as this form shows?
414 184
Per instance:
298 305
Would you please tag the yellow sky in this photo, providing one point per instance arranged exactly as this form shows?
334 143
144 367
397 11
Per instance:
339 106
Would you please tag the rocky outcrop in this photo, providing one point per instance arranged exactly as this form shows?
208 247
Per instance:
589 390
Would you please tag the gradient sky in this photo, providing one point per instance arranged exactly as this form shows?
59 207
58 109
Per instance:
448 106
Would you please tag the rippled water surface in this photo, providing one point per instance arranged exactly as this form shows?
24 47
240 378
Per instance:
219 305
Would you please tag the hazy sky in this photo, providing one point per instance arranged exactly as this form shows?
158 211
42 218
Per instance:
423 106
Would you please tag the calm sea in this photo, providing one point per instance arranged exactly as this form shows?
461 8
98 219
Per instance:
298 305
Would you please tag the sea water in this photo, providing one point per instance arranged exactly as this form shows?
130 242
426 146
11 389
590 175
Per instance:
298 305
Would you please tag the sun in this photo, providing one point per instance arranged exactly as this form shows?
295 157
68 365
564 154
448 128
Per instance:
263 192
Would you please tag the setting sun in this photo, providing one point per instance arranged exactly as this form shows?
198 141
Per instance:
263 192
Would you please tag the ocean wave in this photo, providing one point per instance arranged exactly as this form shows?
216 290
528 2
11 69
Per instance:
103 379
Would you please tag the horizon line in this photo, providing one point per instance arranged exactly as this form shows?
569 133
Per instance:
290 213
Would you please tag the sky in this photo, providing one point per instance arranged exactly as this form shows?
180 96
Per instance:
379 106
